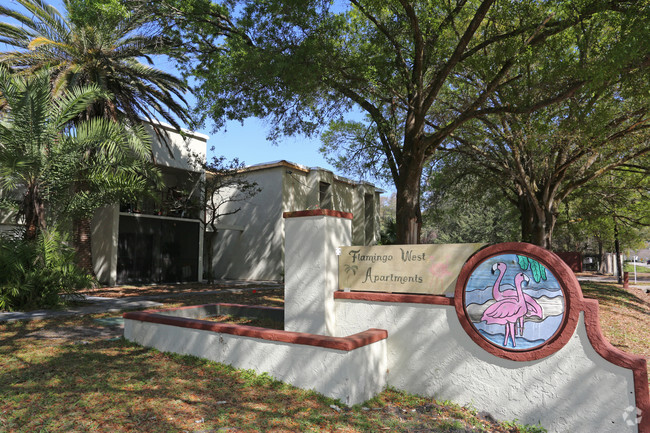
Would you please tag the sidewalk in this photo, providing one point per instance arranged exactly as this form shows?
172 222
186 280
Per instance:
642 280
99 304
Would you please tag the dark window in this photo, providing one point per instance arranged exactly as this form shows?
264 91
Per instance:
152 250
325 195
369 218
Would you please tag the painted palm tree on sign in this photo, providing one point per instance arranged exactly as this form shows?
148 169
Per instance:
104 51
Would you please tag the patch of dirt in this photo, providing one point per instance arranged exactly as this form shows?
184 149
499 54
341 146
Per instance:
165 289
77 334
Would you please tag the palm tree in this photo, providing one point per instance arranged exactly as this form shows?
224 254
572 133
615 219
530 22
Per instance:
106 55
45 158
32 128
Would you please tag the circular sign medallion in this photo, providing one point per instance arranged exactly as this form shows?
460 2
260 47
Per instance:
514 302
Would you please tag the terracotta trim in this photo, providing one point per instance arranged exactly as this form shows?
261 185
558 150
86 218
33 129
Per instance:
224 304
572 296
348 343
636 363
318 212
395 297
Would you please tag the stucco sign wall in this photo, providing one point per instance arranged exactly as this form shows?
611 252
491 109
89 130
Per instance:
431 269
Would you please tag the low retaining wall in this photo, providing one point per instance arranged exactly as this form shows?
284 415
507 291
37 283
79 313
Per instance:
351 369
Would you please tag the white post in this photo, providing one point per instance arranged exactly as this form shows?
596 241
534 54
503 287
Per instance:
311 268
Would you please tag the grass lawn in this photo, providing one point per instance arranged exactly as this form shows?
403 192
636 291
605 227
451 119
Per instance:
624 316
68 374
73 374
628 267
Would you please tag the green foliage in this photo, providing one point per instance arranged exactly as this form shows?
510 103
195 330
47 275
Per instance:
32 136
35 274
621 198
418 70
524 428
461 205
107 13
538 270
388 232
98 42
102 162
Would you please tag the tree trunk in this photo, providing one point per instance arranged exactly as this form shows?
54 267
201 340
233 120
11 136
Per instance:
408 216
81 238
536 226
617 246
34 212
209 238
601 257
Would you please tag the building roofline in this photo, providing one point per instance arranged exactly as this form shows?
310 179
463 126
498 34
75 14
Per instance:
171 128
305 169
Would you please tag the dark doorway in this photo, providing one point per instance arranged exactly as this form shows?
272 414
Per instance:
156 250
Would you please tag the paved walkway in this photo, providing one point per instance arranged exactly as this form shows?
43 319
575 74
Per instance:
107 305
642 280
98 304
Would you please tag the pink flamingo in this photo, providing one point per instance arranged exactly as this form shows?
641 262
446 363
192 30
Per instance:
508 311
533 308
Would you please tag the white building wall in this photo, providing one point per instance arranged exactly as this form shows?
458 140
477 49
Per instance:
176 151
249 243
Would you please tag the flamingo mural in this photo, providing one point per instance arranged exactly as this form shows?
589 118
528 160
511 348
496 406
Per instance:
532 306
509 310
494 302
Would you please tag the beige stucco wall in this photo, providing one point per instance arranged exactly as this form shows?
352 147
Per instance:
105 226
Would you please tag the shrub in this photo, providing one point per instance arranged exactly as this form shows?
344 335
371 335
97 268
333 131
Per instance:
35 274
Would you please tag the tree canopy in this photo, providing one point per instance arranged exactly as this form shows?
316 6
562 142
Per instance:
541 159
418 70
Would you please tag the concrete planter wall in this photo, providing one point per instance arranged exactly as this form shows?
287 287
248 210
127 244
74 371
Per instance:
351 369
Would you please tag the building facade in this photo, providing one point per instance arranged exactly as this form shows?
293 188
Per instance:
249 244
158 239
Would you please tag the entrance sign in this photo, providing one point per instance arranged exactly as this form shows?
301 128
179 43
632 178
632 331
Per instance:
422 269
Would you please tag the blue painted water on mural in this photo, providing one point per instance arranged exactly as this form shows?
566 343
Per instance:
480 296
532 330
522 343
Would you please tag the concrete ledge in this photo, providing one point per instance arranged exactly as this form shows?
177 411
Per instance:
352 369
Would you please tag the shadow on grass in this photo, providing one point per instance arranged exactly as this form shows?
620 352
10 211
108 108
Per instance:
119 386
611 294
122 387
